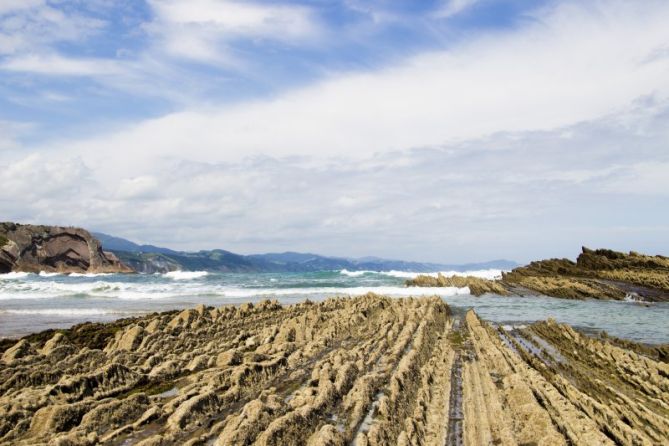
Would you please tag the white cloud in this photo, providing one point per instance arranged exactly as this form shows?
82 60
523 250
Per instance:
42 178
558 127
8 6
35 25
56 65
569 65
495 197
10 131
138 187
643 178
454 7
202 29
239 18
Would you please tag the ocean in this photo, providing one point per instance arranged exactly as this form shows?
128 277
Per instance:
35 302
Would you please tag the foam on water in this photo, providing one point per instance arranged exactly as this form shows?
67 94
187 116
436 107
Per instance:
89 274
14 276
32 302
356 273
69 312
484 274
347 291
45 274
185 275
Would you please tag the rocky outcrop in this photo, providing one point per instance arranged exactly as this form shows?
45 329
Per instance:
369 371
477 286
600 274
32 248
596 274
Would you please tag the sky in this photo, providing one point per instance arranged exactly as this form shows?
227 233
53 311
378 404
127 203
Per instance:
434 130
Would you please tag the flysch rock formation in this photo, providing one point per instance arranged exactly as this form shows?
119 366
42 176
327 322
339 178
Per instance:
596 274
32 248
358 371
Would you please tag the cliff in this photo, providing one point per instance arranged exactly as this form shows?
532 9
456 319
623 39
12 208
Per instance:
34 248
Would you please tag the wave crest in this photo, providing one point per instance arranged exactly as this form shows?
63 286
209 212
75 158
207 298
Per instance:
185 275
490 274
14 275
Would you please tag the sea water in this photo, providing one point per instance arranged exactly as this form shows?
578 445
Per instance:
35 302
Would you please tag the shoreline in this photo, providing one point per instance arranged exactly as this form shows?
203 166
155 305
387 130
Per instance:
621 319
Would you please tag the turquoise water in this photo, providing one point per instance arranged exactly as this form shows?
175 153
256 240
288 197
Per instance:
30 302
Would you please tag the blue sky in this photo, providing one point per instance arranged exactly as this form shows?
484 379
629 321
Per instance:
439 130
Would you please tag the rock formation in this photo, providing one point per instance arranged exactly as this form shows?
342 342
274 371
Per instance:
477 286
370 371
32 248
597 274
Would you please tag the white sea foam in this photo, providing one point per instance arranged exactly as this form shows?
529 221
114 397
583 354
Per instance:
185 275
45 274
67 312
348 291
356 273
14 275
89 274
176 285
484 273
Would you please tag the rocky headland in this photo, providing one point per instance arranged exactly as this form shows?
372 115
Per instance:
597 274
370 371
35 248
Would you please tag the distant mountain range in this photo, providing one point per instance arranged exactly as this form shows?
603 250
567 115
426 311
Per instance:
151 259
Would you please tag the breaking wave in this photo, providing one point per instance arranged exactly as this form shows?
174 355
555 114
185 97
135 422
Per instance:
69 312
13 276
483 274
185 275
45 274
89 274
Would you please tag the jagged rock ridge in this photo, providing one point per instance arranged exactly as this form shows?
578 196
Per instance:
365 371
35 248
598 274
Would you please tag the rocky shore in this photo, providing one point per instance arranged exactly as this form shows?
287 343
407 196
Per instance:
596 274
477 286
33 248
364 371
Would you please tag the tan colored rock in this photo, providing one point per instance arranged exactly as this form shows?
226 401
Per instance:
228 358
20 350
369 371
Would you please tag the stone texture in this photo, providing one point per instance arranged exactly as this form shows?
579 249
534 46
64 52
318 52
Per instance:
33 248
370 370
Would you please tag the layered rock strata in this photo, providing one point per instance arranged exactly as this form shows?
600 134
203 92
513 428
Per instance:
477 286
348 371
597 274
31 248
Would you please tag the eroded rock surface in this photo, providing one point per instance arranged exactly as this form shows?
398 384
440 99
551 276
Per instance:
32 248
477 286
599 274
596 274
360 371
